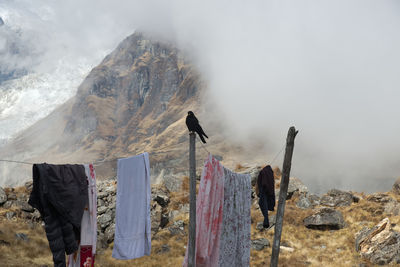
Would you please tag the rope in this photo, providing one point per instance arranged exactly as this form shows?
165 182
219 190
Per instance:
202 145
15 161
283 147
102 161
151 153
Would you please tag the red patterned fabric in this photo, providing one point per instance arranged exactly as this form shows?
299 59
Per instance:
209 214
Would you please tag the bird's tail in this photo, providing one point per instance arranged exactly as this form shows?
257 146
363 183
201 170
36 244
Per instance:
202 138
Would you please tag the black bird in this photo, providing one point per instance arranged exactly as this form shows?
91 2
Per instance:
193 125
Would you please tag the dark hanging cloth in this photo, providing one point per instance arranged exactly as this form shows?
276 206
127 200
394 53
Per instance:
60 193
266 188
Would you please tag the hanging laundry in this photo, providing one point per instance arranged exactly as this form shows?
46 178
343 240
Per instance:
266 192
132 223
84 256
60 193
236 223
209 213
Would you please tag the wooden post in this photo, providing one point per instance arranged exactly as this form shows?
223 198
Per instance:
192 196
287 163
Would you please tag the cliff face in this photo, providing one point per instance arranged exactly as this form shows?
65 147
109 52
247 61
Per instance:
134 101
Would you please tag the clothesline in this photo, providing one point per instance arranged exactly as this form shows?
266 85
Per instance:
151 153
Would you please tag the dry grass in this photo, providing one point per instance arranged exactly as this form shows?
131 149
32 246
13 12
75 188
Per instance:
311 247
34 252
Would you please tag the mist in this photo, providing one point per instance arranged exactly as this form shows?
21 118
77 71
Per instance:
330 68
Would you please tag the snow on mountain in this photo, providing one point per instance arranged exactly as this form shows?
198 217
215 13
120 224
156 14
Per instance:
43 59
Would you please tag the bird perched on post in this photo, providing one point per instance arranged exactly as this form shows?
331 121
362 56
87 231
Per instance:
193 125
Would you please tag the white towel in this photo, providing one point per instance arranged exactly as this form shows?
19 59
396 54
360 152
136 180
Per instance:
88 225
132 223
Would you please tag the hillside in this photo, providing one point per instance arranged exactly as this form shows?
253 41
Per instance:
23 240
135 100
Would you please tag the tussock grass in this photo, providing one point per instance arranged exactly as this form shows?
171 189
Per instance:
311 247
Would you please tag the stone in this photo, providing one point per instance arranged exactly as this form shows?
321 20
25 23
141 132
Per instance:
29 185
104 220
164 220
164 249
379 198
325 219
22 237
259 244
102 195
109 233
8 204
380 244
185 208
337 198
392 208
11 196
155 215
23 205
286 249
1 22
296 185
10 215
396 187
101 210
161 199
304 202
172 182
3 196
260 226
172 214
101 241
177 228
254 172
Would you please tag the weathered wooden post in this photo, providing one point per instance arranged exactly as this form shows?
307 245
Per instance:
192 196
287 163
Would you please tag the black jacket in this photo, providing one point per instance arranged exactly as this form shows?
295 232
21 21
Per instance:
266 185
60 193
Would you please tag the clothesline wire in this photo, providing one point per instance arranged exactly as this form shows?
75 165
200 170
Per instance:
101 161
152 152
276 156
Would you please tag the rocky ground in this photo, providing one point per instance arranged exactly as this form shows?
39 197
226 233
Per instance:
338 228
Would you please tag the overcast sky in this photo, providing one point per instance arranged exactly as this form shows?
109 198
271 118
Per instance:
330 68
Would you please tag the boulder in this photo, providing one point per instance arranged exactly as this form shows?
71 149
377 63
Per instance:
109 233
177 228
325 219
396 187
155 215
104 220
259 244
380 244
379 198
304 202
101 210
337 198
23 205
10 215
29 186
296 185
392 208
3 196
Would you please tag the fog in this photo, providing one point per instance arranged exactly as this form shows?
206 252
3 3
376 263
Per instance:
330 68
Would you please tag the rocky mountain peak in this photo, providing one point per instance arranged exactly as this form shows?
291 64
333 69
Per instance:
1 22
